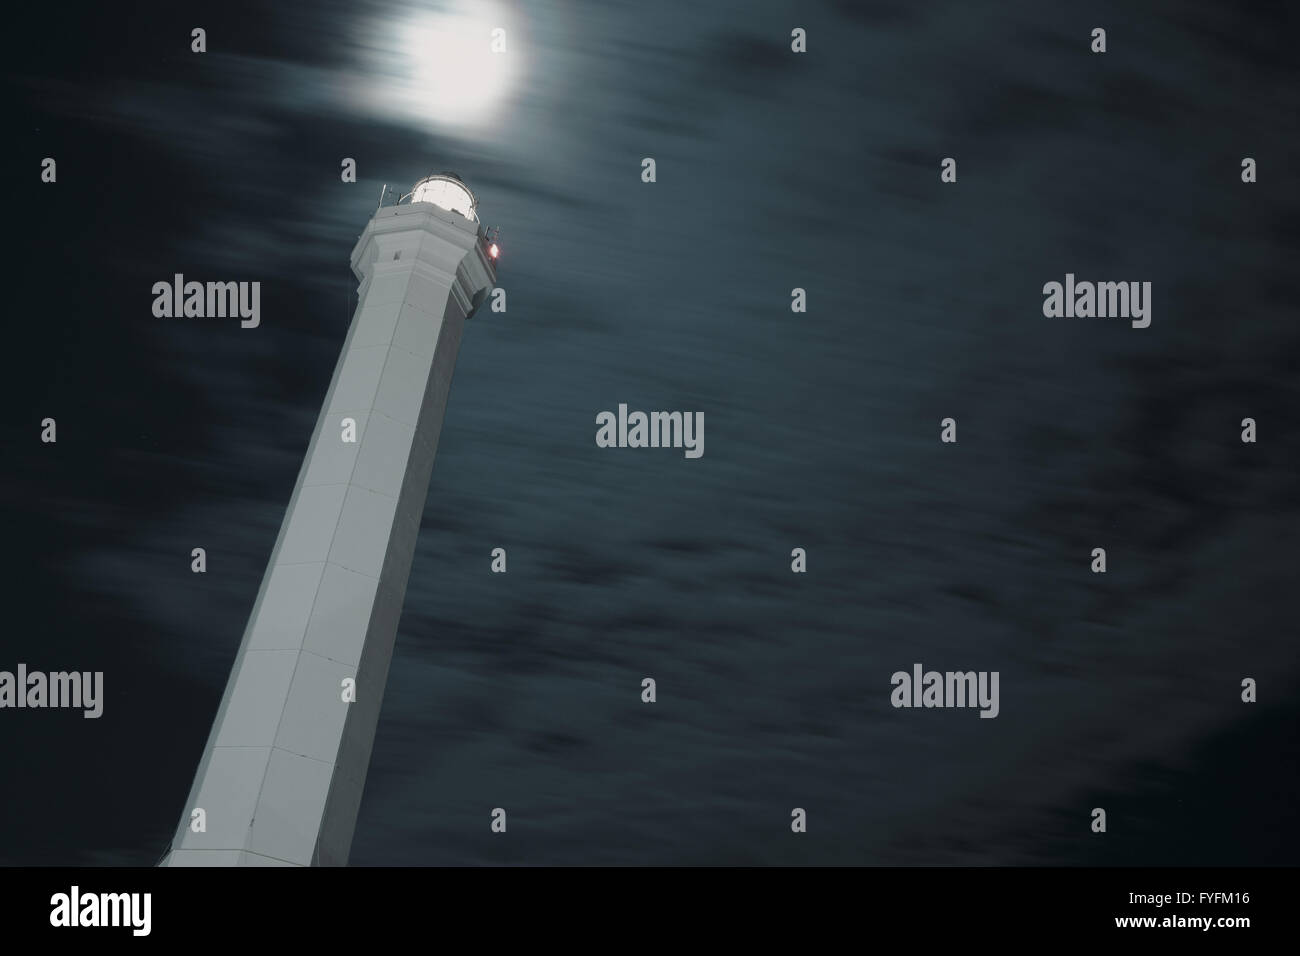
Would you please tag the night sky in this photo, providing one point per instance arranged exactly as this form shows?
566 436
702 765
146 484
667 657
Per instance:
775 170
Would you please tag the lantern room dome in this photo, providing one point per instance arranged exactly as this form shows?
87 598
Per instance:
446 191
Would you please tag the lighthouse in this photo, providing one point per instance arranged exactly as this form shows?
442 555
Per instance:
281 776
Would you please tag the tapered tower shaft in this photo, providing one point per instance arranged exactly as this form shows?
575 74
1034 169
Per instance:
281 777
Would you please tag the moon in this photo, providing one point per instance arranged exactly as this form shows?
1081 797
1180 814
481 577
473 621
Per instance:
438 67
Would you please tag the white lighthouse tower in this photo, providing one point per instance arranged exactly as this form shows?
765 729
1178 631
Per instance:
281 777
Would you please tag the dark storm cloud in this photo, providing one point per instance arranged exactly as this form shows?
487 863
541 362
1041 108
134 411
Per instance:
522 690
879 13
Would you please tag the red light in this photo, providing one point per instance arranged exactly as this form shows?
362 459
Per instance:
493 251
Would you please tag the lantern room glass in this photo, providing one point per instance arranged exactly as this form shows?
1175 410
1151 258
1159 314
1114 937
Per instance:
447 194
